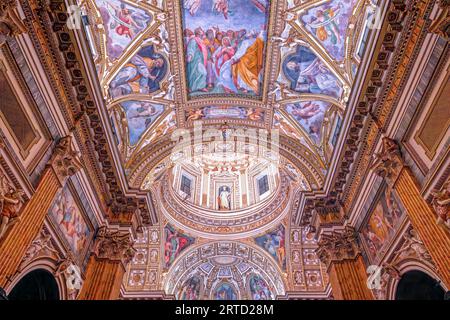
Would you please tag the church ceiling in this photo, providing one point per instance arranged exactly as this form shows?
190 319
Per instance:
286 67
269 64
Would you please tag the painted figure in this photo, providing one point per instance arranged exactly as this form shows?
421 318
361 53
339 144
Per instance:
141 74
310 115
122 23
140 116
70 220
197 59
325 24
274 243
225 291
174 244
382 224
328 23
11 200
307 74
222 54
248 61
191 289
259 289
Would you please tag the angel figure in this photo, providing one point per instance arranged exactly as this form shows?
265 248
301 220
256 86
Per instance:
125 21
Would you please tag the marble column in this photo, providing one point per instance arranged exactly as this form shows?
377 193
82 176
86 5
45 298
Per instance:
341 254
389 165
15 242
113 250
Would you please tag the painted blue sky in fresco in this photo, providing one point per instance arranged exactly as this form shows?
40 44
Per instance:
243 14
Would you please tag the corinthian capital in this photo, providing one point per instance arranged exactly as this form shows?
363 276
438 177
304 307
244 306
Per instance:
338 246
10 23
114 245
388 163
441 24
65 160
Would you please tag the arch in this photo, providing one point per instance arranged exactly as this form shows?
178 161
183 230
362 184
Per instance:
45 263
38 284
410 264
418 285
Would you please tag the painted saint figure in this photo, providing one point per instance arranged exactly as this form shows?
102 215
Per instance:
308 74
140 75
259 289
248 65
197 59
191 289
274 243
225 291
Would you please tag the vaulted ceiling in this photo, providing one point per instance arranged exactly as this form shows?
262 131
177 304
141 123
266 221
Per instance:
162 65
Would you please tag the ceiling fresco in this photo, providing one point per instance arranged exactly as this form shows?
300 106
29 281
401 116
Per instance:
232 52
122 23
328 24
285 70
224 46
